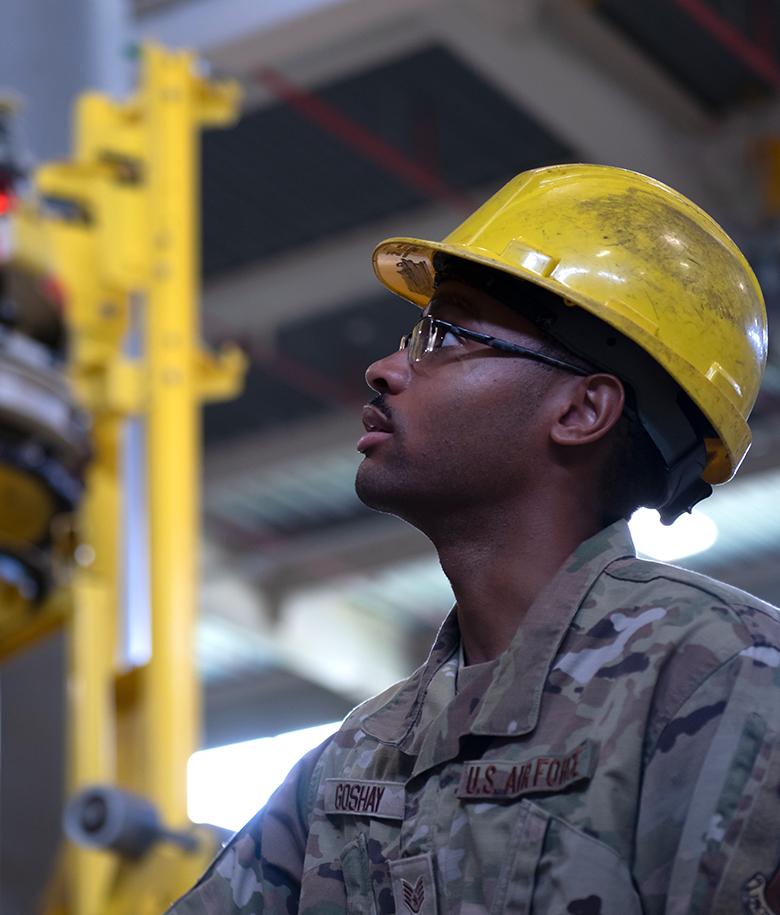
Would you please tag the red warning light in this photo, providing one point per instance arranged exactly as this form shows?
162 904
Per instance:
7 202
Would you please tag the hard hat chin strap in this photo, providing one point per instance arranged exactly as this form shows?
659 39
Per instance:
684 485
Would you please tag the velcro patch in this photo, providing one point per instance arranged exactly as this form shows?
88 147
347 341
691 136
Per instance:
384 800
754 896
502 779
414 889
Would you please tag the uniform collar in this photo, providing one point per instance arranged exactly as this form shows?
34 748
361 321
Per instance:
504 699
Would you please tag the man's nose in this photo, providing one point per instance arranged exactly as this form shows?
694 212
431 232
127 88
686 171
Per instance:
389 375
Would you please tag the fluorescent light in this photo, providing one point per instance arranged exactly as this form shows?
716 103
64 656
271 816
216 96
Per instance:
690 533
226 786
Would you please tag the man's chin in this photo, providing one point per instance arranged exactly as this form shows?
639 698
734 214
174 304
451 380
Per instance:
367 490
376 491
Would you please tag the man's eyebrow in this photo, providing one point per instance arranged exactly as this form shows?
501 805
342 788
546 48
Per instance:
452 300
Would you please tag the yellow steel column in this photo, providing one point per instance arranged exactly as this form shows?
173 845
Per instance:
91 647
173 428
130 233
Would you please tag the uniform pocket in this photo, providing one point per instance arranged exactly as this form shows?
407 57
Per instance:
580 875
356 868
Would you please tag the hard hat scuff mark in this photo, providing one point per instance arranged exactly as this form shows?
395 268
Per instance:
417 275
618 213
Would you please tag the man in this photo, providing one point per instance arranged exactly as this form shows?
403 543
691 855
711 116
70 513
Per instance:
591 734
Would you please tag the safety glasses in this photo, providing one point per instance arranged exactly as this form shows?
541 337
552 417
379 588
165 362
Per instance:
429 333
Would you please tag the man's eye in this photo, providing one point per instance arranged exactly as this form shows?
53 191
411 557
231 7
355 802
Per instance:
449 339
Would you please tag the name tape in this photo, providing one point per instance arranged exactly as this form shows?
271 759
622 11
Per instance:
384 800
543 773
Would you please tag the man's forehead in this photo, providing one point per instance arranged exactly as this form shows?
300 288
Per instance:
456 302
454 297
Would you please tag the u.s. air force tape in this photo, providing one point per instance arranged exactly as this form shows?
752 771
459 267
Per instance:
384 800
502 779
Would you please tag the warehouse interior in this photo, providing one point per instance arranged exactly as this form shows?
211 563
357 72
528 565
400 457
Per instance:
361 120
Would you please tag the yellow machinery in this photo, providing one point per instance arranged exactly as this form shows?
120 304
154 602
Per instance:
118 226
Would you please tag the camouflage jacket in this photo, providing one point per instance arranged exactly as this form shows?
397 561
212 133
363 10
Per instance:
620 757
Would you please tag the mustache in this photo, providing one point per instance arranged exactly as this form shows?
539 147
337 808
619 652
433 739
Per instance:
381 404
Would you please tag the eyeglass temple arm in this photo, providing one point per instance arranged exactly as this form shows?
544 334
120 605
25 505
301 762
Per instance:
516 348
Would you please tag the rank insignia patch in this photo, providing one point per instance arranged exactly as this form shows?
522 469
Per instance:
760 897
414 896
414 890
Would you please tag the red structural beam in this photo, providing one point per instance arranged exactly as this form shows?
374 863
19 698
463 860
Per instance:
353 134
310 381
751 54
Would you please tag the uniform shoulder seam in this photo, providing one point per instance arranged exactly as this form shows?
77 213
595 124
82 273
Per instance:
728 595
316 777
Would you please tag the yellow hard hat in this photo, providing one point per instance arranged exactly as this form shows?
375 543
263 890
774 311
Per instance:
637 255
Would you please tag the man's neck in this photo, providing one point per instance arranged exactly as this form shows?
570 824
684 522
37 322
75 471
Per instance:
497 574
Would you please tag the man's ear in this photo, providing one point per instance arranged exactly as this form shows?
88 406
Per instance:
588 409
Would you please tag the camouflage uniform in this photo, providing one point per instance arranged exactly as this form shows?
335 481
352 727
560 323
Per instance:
620 757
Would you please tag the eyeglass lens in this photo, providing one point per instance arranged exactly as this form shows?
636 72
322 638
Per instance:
420 340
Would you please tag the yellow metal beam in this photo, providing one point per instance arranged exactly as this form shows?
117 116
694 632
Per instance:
126 235
172 339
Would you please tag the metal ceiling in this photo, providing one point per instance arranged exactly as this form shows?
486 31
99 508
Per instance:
722 51
302 496
277 180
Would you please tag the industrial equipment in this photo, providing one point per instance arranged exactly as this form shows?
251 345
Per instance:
102 375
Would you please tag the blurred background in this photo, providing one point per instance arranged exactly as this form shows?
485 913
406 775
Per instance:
363 119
